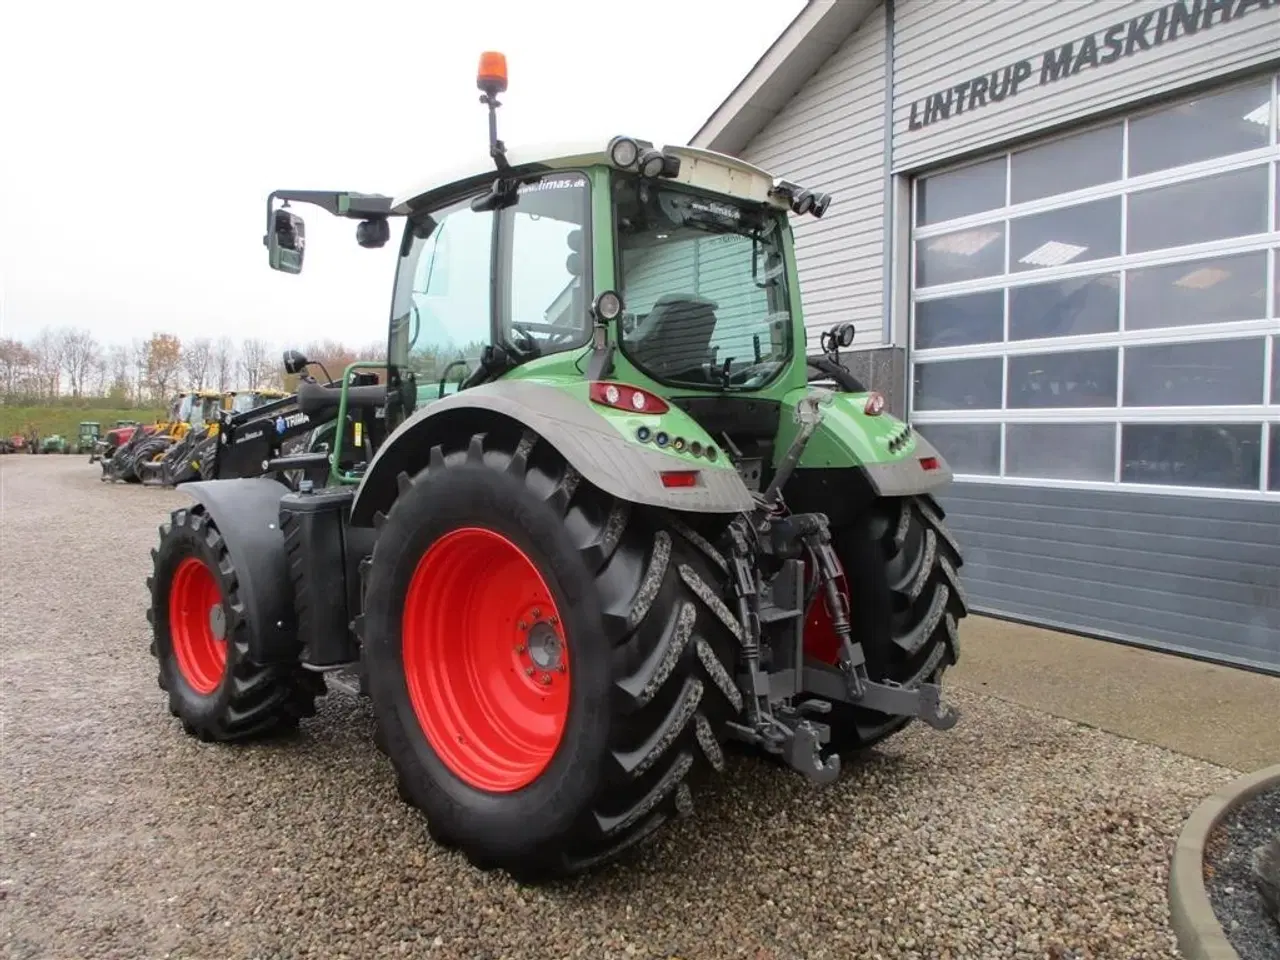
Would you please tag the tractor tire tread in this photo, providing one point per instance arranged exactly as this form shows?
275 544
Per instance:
253 699
674 645
928 601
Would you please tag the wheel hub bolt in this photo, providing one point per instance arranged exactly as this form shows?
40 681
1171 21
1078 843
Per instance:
523 625
537 612
554 620
519 648
561 668
528 671
546 679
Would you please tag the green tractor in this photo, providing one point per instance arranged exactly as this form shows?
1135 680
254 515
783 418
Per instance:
54 443
87 441
613 518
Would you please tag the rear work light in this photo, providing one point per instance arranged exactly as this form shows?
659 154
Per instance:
679 478
620 396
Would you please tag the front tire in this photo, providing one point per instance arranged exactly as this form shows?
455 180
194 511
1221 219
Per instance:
496 566
201 641
151 449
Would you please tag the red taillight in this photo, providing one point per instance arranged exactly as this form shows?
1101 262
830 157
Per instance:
620 396
929 463
679 478
874 405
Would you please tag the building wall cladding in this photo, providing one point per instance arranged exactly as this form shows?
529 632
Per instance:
831 136
1121 52
1190 574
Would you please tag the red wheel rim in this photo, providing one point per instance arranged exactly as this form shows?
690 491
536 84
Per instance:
197 625
820 638
485 660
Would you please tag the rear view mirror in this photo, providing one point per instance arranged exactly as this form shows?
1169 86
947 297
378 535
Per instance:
286 242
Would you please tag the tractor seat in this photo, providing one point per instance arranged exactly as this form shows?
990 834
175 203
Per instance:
676 335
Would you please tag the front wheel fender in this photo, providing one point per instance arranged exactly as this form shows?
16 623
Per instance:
246 512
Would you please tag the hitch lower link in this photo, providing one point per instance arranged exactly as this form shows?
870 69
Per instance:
922 701
783 728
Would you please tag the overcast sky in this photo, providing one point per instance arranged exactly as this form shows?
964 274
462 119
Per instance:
140 139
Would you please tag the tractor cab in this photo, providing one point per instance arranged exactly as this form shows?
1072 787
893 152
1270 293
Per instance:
90 431
242 401
205 405
670 269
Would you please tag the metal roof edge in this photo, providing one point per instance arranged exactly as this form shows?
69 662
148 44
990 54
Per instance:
816 32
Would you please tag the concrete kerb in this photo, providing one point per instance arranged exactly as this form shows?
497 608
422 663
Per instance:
1200 936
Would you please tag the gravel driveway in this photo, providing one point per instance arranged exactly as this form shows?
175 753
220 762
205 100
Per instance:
1014 835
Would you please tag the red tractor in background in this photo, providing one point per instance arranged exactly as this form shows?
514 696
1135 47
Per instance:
117 437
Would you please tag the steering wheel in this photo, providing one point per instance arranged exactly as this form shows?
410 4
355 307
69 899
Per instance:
530 345
754 374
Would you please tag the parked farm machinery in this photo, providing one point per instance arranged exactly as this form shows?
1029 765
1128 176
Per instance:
642 524
138 446
90 432
107 444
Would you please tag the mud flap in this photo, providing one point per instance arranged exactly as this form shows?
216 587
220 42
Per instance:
246 512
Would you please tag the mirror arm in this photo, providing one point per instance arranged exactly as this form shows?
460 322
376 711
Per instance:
353 206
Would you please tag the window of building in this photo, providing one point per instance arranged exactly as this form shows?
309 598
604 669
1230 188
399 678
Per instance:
1103 309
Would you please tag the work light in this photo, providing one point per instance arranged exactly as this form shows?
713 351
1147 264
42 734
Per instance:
624 152
651 163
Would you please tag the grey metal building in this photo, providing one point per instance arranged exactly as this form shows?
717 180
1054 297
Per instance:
1056 226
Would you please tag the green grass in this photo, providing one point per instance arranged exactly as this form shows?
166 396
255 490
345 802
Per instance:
65 420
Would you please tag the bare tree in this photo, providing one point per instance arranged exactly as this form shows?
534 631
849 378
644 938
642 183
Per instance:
99 377
16 363
255 363
119 367
77 350
48 363
197 357
138 356
224 363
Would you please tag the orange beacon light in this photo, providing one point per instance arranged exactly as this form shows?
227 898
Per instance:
492 75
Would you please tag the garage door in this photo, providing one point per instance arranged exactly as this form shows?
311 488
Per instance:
1094 348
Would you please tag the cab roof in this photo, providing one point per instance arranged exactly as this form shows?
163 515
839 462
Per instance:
699 168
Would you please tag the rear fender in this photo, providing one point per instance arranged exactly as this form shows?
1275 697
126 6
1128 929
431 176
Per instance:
895 460
246 512
591 444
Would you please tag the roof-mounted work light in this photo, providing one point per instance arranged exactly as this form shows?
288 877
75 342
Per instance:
624 152
652 163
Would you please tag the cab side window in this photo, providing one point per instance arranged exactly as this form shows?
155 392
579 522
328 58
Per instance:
547 256
442 307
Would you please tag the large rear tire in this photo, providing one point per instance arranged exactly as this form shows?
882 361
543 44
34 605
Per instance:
901 567
496 567
201 641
